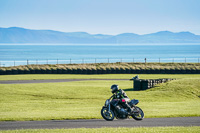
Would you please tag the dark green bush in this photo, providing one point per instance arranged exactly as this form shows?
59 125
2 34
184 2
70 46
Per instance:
32 70
167 70
26 70
9 71
74 70
84 70
106 68
43 70
103 69
2 71
14 71
113 70
54 70
65 71
94 70
59 70
48 70
70 70
21 71
98 70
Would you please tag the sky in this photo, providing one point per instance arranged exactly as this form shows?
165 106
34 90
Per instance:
102 16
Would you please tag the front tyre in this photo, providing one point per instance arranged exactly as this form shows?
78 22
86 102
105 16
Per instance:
138 114
109 116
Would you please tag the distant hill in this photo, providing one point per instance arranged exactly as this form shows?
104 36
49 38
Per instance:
21 35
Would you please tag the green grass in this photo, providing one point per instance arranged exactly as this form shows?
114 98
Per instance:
84 99
194 129
100 76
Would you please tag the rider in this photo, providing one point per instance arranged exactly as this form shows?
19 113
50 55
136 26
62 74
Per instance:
120 94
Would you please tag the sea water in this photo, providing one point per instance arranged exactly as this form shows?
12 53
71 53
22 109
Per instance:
21 54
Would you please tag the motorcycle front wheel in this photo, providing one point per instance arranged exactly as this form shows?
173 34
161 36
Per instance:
109 116
138 114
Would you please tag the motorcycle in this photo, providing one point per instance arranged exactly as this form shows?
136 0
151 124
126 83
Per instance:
113 108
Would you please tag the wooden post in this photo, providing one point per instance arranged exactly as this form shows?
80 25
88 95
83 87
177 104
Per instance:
145 60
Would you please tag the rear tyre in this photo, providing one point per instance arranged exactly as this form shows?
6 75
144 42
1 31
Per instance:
138 114
109 116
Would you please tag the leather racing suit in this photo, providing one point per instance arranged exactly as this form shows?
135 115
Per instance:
120 94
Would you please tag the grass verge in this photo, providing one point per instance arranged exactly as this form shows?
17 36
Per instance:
194 129
100 76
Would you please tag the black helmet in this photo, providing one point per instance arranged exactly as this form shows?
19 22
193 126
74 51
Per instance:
114 88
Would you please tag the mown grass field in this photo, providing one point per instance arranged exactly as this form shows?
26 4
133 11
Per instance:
194 129
84 99
97 76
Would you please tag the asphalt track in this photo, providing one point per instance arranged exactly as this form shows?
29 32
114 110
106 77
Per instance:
98 123
47 81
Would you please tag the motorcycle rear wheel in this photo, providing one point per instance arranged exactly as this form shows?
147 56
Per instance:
138 114
109 116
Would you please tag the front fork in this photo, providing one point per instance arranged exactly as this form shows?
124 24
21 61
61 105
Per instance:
135 109
109 108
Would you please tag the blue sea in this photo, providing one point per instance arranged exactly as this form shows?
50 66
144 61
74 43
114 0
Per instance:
17 54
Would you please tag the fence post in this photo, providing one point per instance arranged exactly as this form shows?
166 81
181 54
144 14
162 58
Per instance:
108 60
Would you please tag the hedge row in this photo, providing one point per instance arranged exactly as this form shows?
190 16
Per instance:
96 71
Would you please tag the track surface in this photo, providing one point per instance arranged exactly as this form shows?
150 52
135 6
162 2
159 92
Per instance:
47 81
97 123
